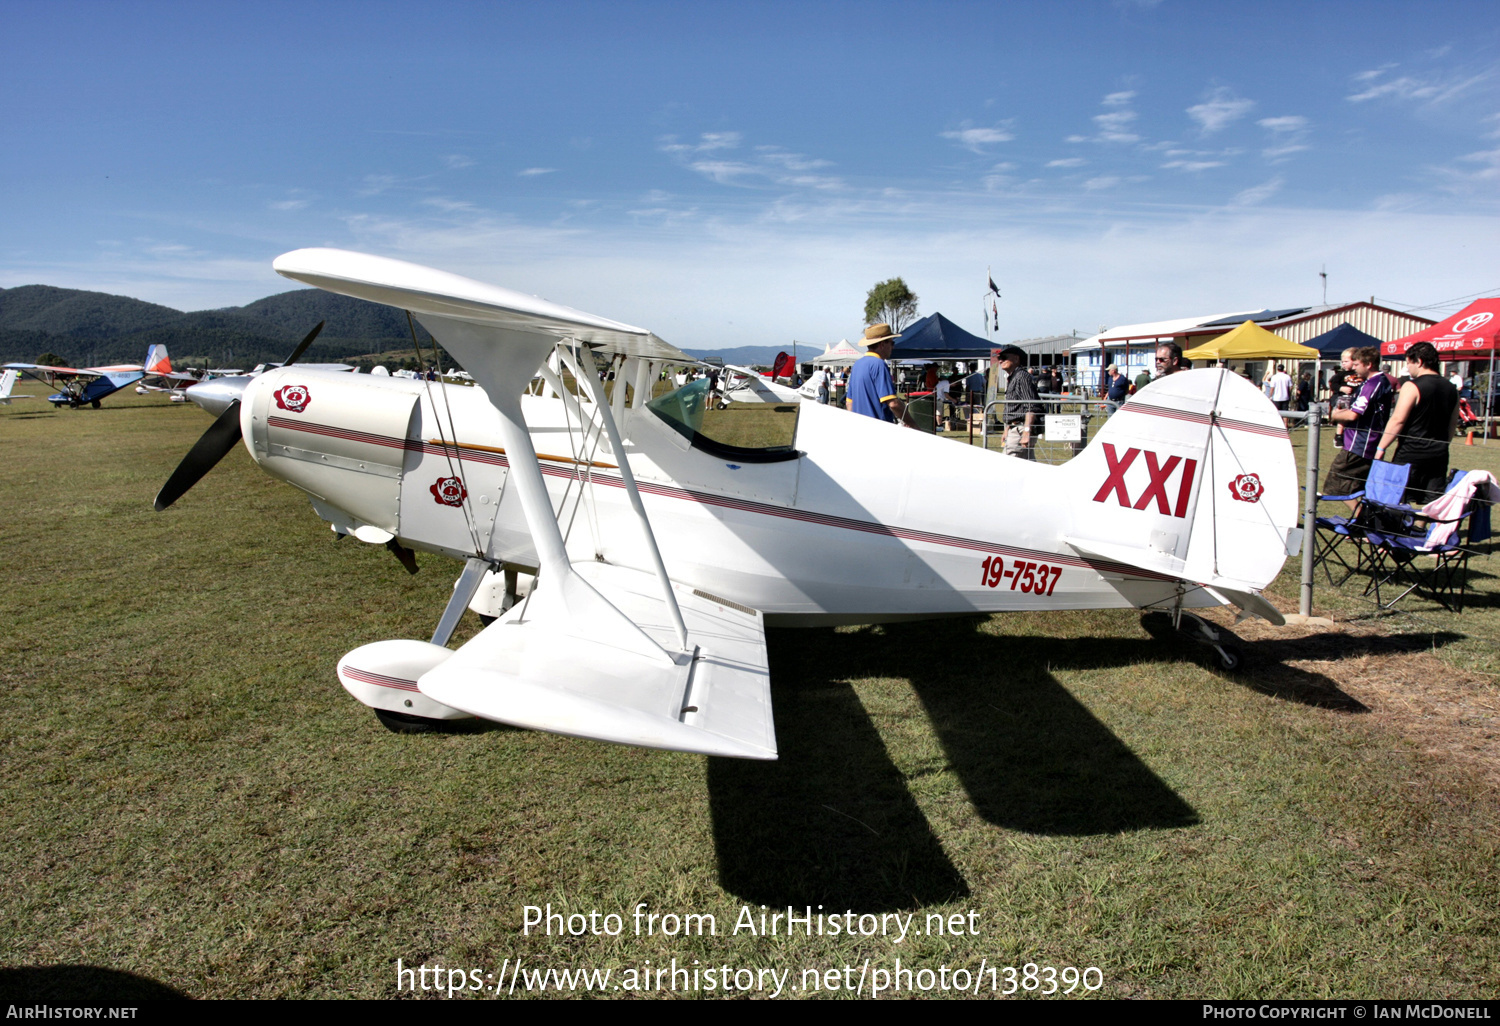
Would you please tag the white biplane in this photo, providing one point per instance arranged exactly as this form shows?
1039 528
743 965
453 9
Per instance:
664 536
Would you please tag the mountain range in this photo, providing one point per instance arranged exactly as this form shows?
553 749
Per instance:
94 328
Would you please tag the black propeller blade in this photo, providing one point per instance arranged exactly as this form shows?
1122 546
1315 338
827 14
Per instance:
302 346
221 436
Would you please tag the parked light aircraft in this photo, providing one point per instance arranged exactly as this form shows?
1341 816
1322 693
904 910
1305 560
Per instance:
664 538
87 386
8 382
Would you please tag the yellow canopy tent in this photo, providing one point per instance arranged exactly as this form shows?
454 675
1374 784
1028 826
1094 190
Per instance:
1250 342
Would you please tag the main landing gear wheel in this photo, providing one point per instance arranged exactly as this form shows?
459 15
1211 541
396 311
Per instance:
1230 658
406 723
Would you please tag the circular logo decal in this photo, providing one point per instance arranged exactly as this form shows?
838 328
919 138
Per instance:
449 491
292 398
1246 487
1473 322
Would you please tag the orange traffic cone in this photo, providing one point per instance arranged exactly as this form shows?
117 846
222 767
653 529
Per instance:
1470 439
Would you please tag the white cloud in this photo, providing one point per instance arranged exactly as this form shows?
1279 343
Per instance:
374 185
532 172
1191 165
1067 261
457 161
708 142
290 204
718 141
767 165
1288 136
725 172
1102 182
1258 193
449 206
1113 126
976 138
1464 180
1067 162
790 161
1119 99
1288 123
1432 89
1220 110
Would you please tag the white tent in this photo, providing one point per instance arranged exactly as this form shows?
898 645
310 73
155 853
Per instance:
841 355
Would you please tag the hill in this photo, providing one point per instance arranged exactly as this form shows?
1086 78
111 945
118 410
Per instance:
74 313
91 328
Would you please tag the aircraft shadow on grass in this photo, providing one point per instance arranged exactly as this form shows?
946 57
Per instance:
80 983
833 821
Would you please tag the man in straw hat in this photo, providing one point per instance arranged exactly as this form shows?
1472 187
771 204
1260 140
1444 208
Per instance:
871 391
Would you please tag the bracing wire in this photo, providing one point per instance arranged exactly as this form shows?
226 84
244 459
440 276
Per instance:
450 451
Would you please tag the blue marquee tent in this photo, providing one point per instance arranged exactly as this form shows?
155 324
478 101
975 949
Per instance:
1332 343
935 337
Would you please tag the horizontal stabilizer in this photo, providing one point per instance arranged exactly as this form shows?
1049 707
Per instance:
1123 561
537 667
1248 601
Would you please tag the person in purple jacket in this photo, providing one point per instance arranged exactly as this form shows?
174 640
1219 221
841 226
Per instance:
1363 420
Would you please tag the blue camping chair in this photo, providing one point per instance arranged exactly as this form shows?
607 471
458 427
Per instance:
1383 488
1398 541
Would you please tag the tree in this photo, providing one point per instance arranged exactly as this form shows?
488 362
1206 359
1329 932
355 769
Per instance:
50 359
891 302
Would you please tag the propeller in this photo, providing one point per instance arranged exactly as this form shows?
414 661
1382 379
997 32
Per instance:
223 435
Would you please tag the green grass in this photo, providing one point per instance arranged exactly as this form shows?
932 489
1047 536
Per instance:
190 797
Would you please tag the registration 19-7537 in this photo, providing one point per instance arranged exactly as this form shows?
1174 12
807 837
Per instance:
1035 578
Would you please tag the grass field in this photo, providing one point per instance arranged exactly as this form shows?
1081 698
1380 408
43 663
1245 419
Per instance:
194 805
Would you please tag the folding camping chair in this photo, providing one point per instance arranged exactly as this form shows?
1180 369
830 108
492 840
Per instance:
1397 544
1384 487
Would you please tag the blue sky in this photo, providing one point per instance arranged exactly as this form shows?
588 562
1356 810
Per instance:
741 173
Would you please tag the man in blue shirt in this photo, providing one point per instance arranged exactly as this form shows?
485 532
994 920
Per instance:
871 391
1119 388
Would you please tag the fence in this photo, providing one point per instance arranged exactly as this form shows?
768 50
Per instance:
1059 434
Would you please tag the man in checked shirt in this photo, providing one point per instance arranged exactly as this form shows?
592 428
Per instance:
1022 411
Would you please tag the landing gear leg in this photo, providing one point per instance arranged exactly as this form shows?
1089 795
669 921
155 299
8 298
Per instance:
1205 633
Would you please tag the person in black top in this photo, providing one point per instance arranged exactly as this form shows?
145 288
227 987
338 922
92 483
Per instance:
1022 411
1425 419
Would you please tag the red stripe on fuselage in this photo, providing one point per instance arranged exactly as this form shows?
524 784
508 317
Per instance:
731 502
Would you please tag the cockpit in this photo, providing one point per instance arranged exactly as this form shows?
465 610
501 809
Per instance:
745 425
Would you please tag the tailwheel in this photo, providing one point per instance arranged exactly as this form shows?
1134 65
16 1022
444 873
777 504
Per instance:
1190 627
406 723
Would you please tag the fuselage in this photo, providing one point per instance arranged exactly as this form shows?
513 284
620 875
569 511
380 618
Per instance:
867 522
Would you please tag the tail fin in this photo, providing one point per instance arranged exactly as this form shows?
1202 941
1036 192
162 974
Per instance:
7 382
1193 479
157 361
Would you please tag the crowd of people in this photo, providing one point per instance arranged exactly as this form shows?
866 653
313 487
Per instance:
1373 411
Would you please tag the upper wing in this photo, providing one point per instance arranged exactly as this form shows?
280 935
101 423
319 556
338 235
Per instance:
43 368
424 290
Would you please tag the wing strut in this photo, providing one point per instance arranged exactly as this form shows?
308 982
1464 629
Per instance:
596 390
